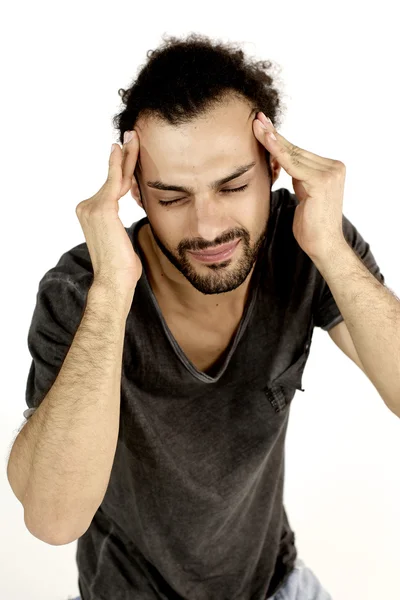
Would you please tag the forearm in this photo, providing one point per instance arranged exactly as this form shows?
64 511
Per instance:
61 461
372 316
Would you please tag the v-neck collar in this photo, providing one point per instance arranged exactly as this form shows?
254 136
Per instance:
248 310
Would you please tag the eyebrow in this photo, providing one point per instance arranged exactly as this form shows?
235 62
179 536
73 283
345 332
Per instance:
166 187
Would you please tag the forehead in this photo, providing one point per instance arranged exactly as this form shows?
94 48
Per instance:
225 132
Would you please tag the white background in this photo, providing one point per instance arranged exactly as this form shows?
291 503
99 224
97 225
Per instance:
62 64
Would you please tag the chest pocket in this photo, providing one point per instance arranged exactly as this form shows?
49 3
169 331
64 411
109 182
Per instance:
281 390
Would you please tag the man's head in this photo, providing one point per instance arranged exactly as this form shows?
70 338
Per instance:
193 107
194 156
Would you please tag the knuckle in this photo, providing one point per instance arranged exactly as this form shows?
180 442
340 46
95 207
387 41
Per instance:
340 166
334 172
326 175
80 207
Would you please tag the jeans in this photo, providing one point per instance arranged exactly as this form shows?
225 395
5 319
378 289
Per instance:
301 584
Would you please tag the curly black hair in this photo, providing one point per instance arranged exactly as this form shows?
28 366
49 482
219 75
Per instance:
186 77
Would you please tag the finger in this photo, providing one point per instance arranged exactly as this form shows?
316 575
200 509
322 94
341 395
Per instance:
114 176
129 160
282 141
294 162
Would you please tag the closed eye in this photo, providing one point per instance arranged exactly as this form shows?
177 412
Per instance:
239 189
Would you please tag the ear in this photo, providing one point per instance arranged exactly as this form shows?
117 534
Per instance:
275 168
135 193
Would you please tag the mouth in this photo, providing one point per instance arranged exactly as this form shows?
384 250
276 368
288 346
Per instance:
216 255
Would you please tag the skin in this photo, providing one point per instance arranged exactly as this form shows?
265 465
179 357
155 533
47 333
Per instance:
194 155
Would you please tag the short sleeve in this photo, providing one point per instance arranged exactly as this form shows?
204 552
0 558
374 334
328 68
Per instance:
326 313
59 309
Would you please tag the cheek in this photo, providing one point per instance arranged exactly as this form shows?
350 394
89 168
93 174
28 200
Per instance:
252 208
166 228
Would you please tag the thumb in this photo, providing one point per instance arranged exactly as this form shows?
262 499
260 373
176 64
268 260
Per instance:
114 166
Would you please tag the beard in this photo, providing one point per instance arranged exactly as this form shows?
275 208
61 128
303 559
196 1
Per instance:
220 277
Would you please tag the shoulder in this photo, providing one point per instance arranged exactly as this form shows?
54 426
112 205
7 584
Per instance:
288 268
282 208
281 242
74 267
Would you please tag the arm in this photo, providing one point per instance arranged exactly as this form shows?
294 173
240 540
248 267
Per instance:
60 463
372 315
371 312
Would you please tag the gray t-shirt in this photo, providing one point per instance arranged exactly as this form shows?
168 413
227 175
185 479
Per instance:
194 506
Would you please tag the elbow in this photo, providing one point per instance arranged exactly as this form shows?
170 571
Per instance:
393 406
55 536
395 409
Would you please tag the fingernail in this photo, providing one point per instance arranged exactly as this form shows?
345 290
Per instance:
266 119
128 135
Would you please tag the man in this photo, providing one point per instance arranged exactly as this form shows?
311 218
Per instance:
214 351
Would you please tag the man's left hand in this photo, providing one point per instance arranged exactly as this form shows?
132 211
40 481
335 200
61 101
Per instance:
319 186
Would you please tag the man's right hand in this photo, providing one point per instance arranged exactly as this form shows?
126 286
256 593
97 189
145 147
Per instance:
115 262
